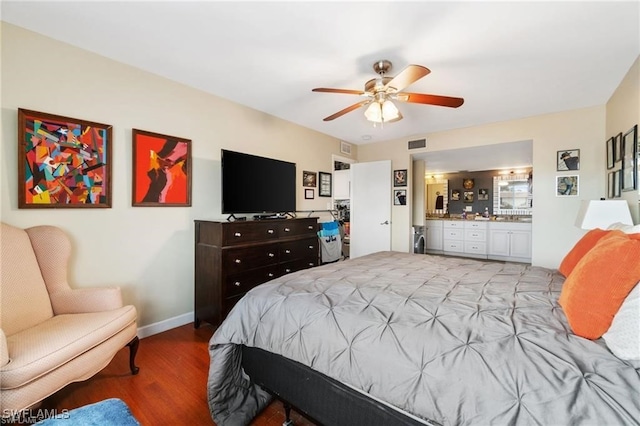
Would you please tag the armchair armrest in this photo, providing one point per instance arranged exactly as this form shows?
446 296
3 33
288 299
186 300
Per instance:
86 300
4 350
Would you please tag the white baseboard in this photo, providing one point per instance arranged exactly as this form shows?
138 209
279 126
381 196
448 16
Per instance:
164 325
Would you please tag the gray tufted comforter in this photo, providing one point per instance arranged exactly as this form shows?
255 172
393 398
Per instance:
454 341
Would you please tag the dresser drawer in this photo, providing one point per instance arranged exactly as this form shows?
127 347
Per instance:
475 247
455 246
453 234
240 283
298 249
246 232
241 259
298 227
297 265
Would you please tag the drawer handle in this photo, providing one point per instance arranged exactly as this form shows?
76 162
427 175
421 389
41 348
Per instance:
270 274
237 234
287 270
474 235
238 261
311 263
311 247
270 231
271 254
287 251
287 229
309 227
237 284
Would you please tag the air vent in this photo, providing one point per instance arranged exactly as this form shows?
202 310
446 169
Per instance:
420 143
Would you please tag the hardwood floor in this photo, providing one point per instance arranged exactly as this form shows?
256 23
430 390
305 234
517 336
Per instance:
171 387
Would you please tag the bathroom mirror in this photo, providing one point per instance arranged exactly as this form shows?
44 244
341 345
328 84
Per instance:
436 198
513 195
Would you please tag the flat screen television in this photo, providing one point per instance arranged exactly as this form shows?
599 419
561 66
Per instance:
252 184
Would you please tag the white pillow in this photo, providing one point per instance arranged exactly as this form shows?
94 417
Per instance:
623 337
627 229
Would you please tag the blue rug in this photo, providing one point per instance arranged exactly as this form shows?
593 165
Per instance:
104 413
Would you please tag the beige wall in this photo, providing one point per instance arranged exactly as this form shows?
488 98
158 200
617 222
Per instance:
148 251
623 112
554 232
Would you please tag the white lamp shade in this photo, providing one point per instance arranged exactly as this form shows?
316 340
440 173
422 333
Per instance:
603 213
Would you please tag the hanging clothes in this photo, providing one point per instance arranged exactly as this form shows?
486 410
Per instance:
330 241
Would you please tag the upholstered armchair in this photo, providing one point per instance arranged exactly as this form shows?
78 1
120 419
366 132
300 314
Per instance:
52 335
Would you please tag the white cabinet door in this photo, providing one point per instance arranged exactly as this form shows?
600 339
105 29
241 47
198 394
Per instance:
499 241
510 241
341 184
433 235
520 244
370 208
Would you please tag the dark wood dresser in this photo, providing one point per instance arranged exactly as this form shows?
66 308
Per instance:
234 257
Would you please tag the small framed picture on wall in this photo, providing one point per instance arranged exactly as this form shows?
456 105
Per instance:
568 159
400 177
308 194
567 186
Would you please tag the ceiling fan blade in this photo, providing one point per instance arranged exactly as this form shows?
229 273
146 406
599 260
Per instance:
422 98
407 76
345 91
346 110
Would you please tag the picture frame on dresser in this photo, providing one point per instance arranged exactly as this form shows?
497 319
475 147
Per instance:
161 170
80 148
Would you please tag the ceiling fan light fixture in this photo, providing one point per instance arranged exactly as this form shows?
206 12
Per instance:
374 112
382 112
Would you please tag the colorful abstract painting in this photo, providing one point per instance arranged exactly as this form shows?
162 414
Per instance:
63 162
161 170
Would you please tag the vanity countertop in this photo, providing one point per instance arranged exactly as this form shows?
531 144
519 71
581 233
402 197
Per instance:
492 219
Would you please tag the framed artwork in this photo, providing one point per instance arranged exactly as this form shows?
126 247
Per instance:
309 179
483 194
617 148
567 186
610 183
455 195
568 159
63 162
324 189
617 183
611 148
161 170
468 196
308 194
399 197
629 175
400 177
468 183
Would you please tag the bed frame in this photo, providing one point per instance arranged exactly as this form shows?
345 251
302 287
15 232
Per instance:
318 397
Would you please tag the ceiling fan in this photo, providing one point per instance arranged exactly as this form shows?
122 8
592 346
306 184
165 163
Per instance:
382 90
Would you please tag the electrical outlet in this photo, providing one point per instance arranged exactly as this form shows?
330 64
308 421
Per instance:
468 208
329 207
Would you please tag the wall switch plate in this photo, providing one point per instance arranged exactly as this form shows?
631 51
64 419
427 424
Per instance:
468 208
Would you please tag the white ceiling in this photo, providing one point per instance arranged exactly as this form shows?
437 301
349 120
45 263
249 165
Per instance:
506 59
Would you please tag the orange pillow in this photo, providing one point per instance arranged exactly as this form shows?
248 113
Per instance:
599 283
581 248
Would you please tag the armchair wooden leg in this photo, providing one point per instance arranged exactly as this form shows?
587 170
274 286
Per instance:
133 350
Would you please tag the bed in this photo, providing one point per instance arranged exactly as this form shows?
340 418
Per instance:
426 339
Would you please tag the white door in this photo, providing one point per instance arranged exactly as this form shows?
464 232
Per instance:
370 208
